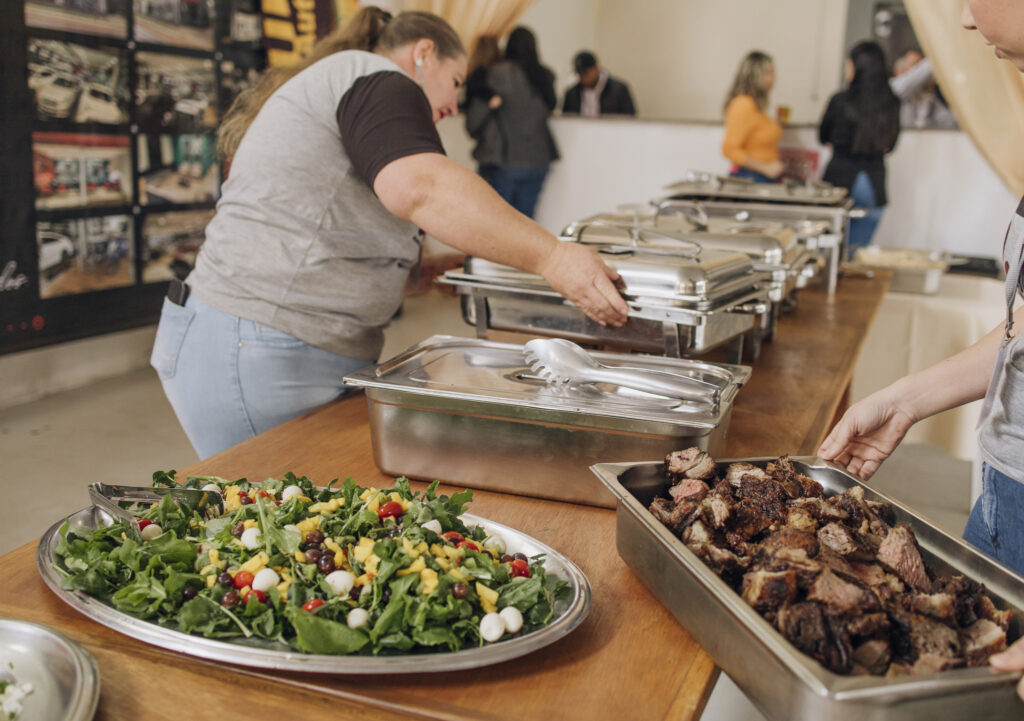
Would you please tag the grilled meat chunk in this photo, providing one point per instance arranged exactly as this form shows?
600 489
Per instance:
900 553
839 596
735 472
675 516
914 634
980 640
767 494
868 625
873 655
768 590
689 489
937 605
801 520
807 627
844 542
690 463
748 520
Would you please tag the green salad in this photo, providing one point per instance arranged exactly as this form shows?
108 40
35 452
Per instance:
328 570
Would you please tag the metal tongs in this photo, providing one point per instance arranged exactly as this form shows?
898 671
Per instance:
108 497
560 361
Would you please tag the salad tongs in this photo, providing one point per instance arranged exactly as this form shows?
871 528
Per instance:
109 497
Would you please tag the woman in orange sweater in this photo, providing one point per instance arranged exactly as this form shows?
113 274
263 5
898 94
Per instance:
751 137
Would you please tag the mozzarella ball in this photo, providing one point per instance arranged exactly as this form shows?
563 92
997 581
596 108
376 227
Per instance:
495 543
151 531
251 538
367 590
512 619
433 525
264 579
341 582
291 492
492 627
358 617
211 487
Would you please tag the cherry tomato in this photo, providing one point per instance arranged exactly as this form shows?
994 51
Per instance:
242 579
390 509
260 596
453 537
265 494
520 568
467 544
143 522
312 604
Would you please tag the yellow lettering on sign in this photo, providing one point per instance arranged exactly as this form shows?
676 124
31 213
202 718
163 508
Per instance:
277 7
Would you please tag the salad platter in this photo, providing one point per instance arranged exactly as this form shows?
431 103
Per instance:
422 578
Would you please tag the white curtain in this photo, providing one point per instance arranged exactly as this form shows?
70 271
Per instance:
986 94
473 18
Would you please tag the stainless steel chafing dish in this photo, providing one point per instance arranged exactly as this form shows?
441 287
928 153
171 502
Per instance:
913 270
784 683
819 212
679 304
773 248
471 412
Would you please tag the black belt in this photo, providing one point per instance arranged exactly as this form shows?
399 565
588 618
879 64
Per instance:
177 292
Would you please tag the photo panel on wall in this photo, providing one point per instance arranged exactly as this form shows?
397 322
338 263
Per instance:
92 17
177 169
183 23
82 255
174 93
170 242
77 170
73 83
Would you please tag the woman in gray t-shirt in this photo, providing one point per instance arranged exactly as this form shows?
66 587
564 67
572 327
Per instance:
870 430
336 171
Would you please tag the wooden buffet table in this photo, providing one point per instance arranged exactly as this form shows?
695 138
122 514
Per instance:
628 660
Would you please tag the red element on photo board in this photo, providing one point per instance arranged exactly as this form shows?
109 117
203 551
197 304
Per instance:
38 322
87 139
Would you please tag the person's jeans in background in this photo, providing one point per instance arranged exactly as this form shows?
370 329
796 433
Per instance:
996 523
752 175
519 187
229 379
863 229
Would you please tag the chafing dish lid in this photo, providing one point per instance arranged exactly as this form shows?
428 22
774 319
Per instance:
472 371
699 184
764 242
649 274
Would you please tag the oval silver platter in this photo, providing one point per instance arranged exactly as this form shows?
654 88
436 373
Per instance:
260 653
65 680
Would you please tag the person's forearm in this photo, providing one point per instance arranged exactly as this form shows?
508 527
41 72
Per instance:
457 207
959 379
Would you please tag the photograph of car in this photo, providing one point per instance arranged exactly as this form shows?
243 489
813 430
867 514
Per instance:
170 242
184 23
82 255
74 83
93 17
174 93
73 170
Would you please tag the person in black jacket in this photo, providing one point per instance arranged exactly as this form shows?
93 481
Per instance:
597 92
861 124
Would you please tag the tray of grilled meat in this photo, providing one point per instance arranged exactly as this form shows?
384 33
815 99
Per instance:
680 303
818 595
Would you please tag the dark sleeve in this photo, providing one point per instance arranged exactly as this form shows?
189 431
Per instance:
828 121
571 104
547 90
383 117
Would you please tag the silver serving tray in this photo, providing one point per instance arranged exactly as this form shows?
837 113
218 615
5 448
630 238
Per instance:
913 270
781 681
64 677
260 653
708 185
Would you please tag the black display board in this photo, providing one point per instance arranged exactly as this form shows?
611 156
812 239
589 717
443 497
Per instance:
107 135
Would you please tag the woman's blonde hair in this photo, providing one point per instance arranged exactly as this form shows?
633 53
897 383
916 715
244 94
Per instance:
485 53
749 79
369 29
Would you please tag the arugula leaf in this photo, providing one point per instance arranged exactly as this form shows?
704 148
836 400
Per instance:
319 635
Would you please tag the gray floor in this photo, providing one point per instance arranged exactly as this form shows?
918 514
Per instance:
121 430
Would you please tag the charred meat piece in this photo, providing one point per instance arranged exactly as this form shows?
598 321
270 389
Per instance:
768 590
937 605
900 553
980 640
789 538
868 625
987 609
696 533
811 488
801 520
869 574
791 559
966 598
808 628
689 489
818 508
781 469
768 494
914 634
841 596
748 520
675 516
844 542
873 655
717 509
736 471
722 561
690 463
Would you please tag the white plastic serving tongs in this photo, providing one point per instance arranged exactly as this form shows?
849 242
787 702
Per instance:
560 361
109 497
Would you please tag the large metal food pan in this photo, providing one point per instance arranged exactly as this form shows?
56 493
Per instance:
781 681
913 270
457 410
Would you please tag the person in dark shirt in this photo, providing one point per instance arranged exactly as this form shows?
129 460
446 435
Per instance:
597 92
861 123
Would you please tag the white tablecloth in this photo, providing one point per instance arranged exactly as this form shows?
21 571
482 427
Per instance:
913 331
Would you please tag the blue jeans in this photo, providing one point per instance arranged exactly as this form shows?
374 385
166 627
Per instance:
752 175
519 187
996 523
863 229
229 379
